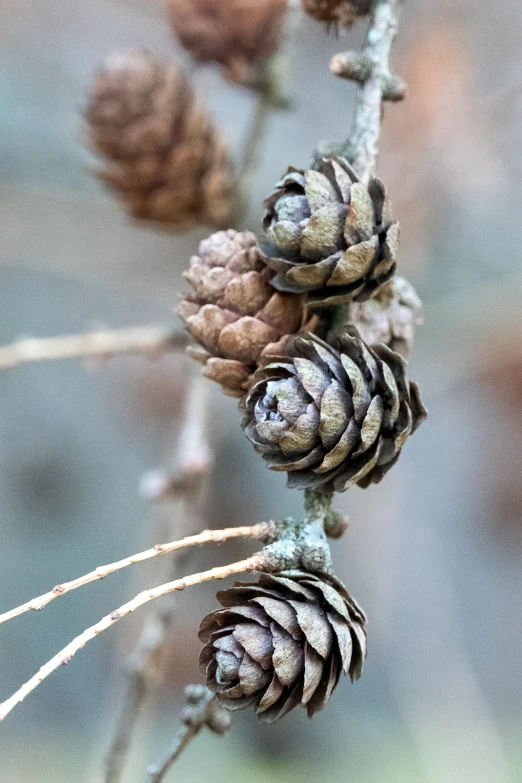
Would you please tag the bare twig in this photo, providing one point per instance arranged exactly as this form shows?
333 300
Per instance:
258 531
150 341
254 563
202 710
362 147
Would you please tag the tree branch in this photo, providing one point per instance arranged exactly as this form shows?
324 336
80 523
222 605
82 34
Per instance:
254 563
362 147
259 531
151 341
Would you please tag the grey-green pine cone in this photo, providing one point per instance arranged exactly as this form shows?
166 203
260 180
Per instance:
281 642
330 416
330 235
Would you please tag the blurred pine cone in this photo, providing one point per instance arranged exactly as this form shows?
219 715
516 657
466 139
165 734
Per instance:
338 12
332 417
282 642
164 160
238 34
330 235
391 317
235 314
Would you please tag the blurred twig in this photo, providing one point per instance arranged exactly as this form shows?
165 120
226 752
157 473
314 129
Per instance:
202 709
251 155
151 341
185 479
64 657
273 94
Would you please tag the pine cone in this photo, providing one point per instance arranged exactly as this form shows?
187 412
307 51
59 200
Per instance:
338 12
332 418
282 642
235 314
391 317
330 235
235 33
164 160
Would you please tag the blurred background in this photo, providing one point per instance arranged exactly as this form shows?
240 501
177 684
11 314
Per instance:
433 553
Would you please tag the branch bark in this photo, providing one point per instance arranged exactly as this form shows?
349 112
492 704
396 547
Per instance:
151 341
362 147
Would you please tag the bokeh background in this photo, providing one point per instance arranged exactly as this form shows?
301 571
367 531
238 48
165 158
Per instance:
433 553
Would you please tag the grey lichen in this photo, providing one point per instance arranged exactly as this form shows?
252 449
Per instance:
299 545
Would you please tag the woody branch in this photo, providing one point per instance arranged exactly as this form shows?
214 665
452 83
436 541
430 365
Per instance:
151 341
371 69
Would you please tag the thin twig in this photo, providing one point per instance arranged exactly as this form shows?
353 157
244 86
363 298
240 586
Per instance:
254 563
151 341
363 145
258 531
185 735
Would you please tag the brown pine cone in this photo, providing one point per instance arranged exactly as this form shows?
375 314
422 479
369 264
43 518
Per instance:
330 235
282 642
235 314
163 158
337 12
235 33
391 317
332 417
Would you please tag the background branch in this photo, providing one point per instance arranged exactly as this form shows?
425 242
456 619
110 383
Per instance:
185 480
151 341
202 709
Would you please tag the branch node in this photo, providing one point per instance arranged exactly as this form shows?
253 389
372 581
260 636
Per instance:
354 66
336 525
394 89
298 545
